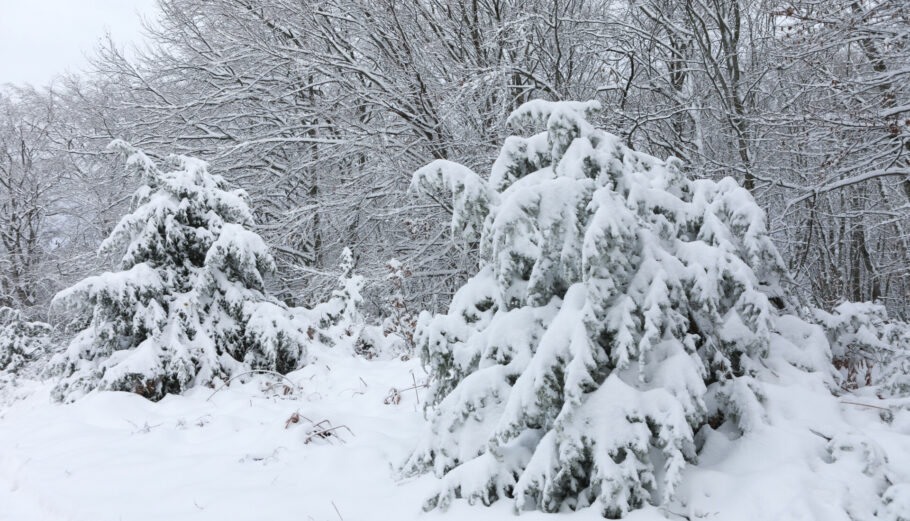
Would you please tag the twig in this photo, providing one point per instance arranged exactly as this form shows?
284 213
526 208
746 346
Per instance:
295 418
336 511
145 429
325 433
354 392
414 379
394 397
867 405
254 371
820 435
418 386
675 514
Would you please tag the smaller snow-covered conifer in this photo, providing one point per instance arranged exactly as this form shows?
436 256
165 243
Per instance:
20 339
869 348
401 320
188 304
348 296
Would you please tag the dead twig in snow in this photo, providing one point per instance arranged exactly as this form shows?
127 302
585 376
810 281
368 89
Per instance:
145 429
867 405
414 379
355 392
295 418
393 398
325 433
322 430
820 435
254 371
394 395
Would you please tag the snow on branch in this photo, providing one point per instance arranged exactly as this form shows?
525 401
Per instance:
471 196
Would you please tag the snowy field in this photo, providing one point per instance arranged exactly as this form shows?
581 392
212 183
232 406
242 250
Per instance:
233 456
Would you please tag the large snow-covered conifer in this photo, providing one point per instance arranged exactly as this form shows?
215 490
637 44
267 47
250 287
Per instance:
619 308
189 303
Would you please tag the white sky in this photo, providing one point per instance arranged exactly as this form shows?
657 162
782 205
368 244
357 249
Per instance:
42 38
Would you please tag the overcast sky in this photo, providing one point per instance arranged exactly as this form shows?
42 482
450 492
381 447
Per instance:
42 38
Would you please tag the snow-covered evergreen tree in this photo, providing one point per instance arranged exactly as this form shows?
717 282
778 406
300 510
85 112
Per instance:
340 317
399 326
347 299
869 348
189 303
20 339
619 308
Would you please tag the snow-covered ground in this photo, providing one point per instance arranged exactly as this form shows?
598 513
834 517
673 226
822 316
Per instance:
229 456
115 455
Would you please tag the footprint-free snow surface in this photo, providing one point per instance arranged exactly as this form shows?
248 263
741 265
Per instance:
237 454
